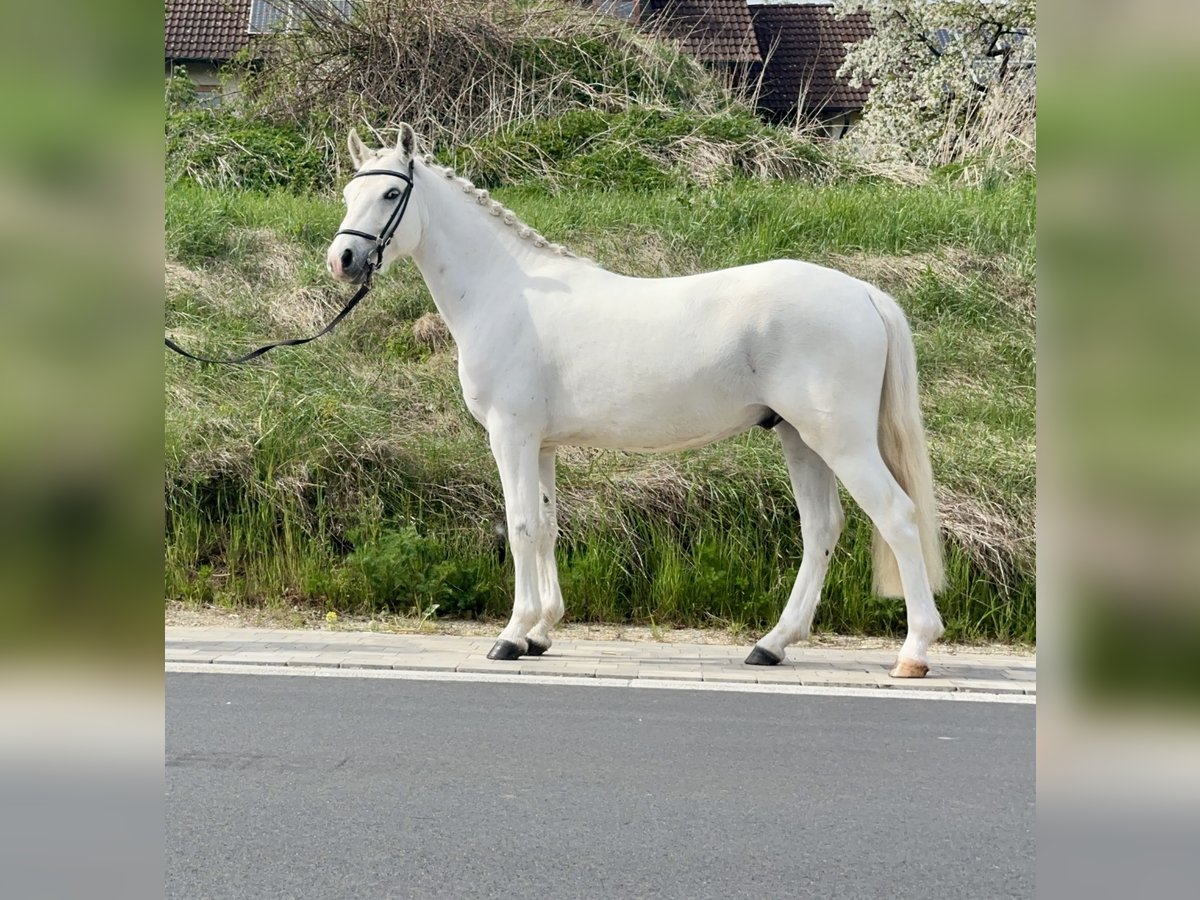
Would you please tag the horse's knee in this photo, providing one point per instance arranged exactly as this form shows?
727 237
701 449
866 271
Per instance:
524 534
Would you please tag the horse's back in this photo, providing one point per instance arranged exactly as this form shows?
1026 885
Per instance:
761 314
672 362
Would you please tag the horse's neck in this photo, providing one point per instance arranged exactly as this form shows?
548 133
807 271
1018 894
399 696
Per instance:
473 264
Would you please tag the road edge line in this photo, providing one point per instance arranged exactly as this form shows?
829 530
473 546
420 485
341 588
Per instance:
803 690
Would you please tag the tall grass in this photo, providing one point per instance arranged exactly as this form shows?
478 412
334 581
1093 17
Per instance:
348 474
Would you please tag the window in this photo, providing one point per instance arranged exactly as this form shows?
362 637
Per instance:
267 16
622 9
207 96
271 16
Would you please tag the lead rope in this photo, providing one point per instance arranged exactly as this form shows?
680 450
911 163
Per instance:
254 354
381 241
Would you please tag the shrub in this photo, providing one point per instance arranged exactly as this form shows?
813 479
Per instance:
459 69
215 148
179 91
407 570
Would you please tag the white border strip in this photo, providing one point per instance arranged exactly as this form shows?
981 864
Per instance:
579 681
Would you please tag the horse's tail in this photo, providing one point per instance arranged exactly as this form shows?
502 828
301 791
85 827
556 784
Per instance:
905 451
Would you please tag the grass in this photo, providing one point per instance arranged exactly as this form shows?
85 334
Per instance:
347 475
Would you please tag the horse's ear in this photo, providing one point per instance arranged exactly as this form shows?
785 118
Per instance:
358 150
406 140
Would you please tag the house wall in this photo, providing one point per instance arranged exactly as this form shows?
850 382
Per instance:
836 126
212 86
833 125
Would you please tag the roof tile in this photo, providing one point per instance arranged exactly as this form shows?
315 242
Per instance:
804 45
206 29
711 30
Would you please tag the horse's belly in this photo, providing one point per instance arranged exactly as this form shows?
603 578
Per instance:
651 428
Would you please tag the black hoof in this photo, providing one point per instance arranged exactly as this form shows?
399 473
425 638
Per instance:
535 649
505 650
760 657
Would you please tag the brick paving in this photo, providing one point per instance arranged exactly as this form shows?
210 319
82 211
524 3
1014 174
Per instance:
812 666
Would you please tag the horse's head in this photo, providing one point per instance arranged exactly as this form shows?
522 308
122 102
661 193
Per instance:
380 225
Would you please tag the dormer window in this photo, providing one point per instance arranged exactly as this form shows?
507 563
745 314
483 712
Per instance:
274 16
621 9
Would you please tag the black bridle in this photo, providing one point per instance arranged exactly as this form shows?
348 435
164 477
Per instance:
389 227
381 242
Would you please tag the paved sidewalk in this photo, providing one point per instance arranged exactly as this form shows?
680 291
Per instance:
813 666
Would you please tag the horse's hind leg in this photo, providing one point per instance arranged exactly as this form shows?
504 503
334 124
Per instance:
821 521
862 470
548 588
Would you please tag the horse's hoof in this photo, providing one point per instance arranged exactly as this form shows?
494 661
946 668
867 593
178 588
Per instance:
760 657
505 650
909 668
536 648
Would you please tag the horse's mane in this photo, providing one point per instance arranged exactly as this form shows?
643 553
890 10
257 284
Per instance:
502 212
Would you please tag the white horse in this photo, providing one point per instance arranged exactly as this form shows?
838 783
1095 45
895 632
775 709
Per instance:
554 350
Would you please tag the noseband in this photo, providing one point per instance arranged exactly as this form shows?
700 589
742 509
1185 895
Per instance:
381 241
389 227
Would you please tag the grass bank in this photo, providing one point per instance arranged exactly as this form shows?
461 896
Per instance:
348 474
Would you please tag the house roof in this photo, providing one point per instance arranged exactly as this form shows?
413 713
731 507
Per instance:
207 29
804 45
711 30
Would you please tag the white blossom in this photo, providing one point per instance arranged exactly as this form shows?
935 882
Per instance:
950 79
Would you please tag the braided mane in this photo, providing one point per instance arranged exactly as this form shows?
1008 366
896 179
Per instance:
499 210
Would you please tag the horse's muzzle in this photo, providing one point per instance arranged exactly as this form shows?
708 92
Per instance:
347 265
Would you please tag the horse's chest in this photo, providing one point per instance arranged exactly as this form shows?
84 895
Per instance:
475 394
505 388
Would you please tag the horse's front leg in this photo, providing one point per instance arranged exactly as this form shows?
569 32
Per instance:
550 592
516 455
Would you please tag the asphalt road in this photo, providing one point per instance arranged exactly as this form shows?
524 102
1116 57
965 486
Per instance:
323 787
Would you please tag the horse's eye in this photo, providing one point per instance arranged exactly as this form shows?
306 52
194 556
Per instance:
392 194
